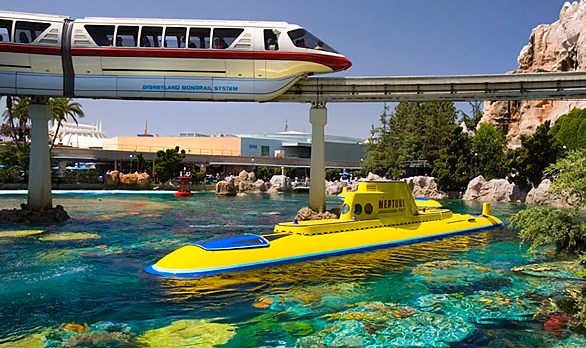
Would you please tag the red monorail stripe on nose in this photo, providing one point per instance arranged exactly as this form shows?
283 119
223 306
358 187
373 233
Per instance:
336 63
30 49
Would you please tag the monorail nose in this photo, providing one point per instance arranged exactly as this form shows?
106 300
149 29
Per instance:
341 63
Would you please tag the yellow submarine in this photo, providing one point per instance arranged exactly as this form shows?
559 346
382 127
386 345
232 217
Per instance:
380 214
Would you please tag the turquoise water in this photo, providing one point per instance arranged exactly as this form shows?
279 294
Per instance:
455 292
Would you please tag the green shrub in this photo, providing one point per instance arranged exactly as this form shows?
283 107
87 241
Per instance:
266 173
570 129
198 177
544 226
570 173
11 175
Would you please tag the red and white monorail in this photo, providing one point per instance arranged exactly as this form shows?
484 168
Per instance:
157 58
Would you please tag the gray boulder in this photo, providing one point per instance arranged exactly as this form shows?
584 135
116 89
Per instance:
227 188
496 190
540 195
424 186
280 183
334 187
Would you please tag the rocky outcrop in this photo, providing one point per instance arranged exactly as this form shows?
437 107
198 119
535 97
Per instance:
424 186
496 190
335 187
540 195
141 181
370 177
308 214
556 47
227 188
25 215
260 186
128 179
247 182
279 184
112 178
474 187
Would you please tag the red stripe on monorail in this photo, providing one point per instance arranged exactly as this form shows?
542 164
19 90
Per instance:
336 63
30 49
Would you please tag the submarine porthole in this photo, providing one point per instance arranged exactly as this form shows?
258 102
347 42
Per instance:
357 209
368 208
345 209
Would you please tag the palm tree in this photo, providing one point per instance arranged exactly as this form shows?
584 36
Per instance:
62 108
16 111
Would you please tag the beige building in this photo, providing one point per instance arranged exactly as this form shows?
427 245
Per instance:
283 144
222 146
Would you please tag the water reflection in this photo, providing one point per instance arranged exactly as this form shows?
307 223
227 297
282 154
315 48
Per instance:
339 269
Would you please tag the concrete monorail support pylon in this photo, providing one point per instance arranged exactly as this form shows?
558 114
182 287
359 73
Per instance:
39 179
318 116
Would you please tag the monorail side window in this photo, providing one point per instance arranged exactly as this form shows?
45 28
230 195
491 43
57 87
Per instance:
302 38
271 40
151 36
5 30
224 37
27 32
175 37
126 36
199 38
101 34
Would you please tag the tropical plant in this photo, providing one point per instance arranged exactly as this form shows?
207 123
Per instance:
167 163
527 163
333 174
414 131
570 176
16 117
198 177
15 159
560 227
266 173
544 226
62 109
570 129
453 169
489 145
143 164
382 149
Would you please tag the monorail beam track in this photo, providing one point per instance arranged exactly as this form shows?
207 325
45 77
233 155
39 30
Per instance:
563 85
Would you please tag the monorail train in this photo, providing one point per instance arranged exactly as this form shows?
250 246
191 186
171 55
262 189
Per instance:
157 58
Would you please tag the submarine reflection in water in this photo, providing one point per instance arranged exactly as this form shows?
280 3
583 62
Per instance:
334 270
380 214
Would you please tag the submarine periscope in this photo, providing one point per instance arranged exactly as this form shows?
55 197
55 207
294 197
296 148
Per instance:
379 214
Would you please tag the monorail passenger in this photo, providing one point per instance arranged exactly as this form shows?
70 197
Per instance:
119 41
319 46
144 41
272 44
301 43
219 43
23 38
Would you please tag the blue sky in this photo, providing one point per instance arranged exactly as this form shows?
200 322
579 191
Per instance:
381 38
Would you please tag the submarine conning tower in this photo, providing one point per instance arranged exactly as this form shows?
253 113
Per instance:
378 199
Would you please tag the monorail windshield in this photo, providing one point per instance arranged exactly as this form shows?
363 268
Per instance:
304 39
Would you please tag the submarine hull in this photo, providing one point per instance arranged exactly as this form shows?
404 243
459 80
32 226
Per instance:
287 246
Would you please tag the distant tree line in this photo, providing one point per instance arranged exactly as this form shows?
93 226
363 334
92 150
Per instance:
428 131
